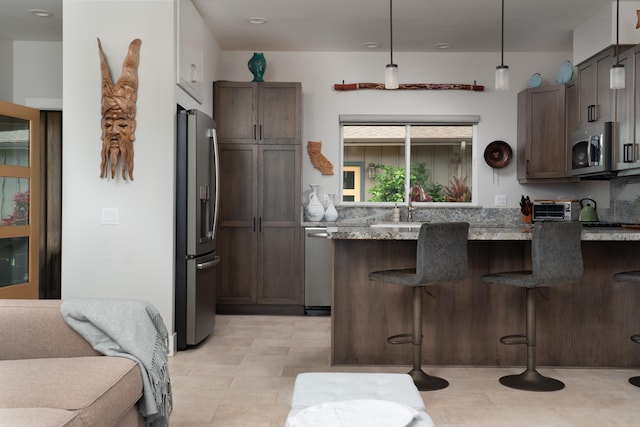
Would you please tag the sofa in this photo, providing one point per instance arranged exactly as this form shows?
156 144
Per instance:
50 376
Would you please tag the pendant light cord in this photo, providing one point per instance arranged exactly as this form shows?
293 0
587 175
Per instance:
391 28
502 38
617 32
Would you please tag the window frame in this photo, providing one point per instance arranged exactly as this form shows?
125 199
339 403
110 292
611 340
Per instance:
412 120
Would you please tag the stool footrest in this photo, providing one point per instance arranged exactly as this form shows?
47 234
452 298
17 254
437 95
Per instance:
400 339
513 339
635 338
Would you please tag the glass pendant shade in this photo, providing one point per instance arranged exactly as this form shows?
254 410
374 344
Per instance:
391 78
617 77
502 77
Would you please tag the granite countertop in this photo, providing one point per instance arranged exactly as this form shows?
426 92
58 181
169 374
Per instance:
476 232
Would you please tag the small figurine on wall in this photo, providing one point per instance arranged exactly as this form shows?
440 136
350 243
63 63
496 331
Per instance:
119 113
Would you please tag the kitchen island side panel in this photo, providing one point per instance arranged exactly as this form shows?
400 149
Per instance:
584 324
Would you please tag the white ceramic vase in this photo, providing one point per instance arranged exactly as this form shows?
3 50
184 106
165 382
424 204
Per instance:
315 210
330 214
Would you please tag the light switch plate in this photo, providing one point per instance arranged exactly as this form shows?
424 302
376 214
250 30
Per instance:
109 216
501 200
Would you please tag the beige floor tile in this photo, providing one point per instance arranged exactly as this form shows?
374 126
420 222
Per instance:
243 375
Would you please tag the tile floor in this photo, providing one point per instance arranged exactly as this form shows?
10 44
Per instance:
243 375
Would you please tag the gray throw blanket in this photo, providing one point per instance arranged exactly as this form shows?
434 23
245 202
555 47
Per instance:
132 329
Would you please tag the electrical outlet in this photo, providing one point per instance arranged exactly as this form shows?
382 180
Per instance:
501 200
109 216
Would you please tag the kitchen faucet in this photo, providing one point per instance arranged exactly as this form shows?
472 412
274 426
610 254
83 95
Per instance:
410 210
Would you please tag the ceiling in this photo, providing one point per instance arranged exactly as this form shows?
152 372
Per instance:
346 25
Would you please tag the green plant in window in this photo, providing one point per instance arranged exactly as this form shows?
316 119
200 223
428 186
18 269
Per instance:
435 192
390 185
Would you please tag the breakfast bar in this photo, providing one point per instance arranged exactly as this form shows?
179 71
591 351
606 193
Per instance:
586 324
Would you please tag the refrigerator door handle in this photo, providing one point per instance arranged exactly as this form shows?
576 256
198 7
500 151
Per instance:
216 202
208 264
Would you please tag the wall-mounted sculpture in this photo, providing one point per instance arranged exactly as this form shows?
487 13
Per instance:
119 113
318 160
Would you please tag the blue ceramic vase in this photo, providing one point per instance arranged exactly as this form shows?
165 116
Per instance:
257 65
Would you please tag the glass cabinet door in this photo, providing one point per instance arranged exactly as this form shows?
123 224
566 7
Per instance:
19 194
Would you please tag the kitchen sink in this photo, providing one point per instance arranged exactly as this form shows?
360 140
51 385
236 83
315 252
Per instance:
397 225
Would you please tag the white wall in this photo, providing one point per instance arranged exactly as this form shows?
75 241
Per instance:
6 69
599 32
322 105
133 259
37 74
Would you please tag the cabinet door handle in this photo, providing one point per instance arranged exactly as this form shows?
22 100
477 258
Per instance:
193 73
260 132
527 168
591 113
255 131
627 153
254 224
260 225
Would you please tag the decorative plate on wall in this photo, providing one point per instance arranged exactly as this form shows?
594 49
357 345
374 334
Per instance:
497 154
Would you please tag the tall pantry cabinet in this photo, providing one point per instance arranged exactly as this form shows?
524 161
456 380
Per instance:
260 241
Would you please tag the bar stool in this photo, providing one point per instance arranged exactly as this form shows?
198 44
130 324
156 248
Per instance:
441 257
556 258
632 277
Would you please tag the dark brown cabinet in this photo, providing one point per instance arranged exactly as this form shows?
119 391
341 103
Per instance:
596 101
545 116
265 113
626 151
260 174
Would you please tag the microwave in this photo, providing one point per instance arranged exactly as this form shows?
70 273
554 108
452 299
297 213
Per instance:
591 150
555 210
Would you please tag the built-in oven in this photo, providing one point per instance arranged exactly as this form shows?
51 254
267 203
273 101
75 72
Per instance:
591 150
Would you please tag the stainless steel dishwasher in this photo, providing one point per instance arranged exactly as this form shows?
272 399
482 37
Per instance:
317 272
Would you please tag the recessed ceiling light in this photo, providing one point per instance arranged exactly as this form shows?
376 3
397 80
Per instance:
442 45
40 13
371 45
257 20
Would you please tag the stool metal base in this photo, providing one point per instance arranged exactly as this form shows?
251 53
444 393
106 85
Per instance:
426 382
635 381
531 380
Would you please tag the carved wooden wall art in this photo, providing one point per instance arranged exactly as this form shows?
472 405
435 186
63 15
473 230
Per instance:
318 160
412 86
119 113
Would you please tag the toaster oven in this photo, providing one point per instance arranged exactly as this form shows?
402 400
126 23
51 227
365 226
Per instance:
555 210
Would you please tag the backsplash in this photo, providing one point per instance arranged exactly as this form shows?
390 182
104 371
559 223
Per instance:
625 199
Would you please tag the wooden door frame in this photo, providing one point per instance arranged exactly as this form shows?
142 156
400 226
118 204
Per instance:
29 289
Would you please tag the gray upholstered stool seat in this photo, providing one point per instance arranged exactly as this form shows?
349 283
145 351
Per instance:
441 257
556 258
632 277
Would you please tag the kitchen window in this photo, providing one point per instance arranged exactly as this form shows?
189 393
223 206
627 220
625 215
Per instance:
425 159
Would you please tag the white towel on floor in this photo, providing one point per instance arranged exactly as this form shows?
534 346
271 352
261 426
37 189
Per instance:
354 413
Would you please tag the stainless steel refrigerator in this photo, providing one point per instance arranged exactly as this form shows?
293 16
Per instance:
197 199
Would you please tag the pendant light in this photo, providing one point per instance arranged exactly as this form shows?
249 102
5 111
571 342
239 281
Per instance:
391 71
617 74
502 71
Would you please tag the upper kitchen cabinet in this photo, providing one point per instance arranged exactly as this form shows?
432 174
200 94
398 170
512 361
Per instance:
596 101
190 49
545 116
262 113
626 151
